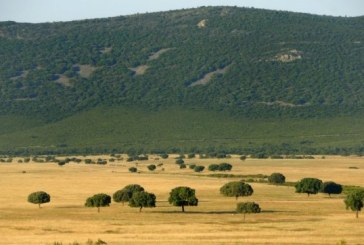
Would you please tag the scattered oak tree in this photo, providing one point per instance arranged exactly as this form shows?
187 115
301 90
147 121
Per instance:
133 170
199 169
277 178
151 167
183 196
331 188
354 201
126 193
236 189
98 200
309 186
142 200
39 198
247 207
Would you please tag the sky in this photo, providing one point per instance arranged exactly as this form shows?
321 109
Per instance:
36 11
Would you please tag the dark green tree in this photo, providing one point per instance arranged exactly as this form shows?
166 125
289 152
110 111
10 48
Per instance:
125 194
133 169
213 167
142 199
331 187
39 198
247 207
309 186
236 189
151 167
354 201
277 178
98 200
225 166
199 168
183 196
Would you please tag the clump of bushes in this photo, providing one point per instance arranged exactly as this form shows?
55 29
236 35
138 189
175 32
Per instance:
220 167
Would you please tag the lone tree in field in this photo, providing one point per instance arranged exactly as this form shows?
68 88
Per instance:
151 167
354 201
126 193
309 186
39 198
331 188
142 200
98 200
277 178
236 189
247 207
183 196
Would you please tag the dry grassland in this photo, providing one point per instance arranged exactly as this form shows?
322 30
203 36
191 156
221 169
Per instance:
287 217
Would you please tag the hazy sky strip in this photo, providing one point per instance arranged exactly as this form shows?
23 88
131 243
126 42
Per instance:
65 10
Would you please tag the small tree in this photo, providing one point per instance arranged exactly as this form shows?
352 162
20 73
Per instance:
183 196
133 170
225 167
142 200
180 161
199 169
151 167
213 167
98 200
354 201
126 193
277 178
39 198
236 189
331 187
309 186
247 207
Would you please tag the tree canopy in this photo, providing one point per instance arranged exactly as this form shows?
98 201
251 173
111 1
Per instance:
125 194
98 200
142 199
236 189
183 196
247 207
308 186
277 178
331 187
39 197
354 201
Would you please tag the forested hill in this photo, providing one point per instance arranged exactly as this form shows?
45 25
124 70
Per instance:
244 61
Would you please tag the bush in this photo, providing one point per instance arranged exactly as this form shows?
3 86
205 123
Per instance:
151 167
199 168
225 167
180 161
213 167
181 166
247 207
133 170
243 157
277 178
192 166
164 156
191 155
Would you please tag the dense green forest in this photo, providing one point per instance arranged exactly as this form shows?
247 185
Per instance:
241 63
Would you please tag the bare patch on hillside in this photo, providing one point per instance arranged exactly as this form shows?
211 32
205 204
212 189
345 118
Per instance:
357 42
289 56
63 80
139 70
86 70
23 74
157 54
106 50
281 103
224 12
202 24
207 78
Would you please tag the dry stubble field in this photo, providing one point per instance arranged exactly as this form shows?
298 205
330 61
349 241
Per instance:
286 218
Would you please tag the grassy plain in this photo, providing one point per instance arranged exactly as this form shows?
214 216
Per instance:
286 218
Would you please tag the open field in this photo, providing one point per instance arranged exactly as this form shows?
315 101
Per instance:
286 218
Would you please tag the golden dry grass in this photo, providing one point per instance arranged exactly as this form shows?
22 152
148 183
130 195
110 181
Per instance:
287 217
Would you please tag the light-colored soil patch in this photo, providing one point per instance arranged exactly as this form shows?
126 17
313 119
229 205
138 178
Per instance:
207 78
202 24
106 50
281 103
23 74
139 70
286 218
65 81
86 70
157 54
289 56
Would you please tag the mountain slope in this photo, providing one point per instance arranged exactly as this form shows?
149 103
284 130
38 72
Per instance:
246 63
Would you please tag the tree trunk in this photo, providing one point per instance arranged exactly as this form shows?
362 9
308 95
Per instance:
39 205
308 194
236 198
357 213
244 217
140 209
183 208
98 209
330 195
